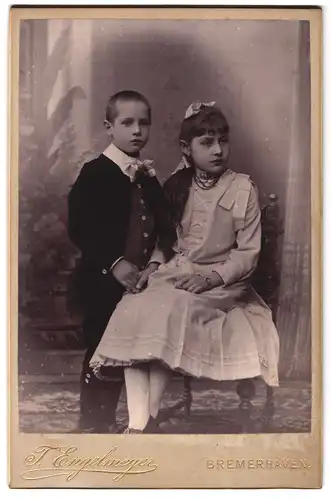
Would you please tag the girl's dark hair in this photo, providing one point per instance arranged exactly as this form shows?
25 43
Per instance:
176 190
210 120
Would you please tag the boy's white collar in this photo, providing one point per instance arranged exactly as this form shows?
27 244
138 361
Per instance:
128 164
121 159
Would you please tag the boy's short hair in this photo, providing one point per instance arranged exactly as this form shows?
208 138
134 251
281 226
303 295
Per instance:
125 95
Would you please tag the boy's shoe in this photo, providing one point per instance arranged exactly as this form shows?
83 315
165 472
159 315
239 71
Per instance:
86 427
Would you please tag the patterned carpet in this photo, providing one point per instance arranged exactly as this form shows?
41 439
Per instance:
47 406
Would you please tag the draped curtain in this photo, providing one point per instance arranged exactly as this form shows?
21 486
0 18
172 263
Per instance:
294 315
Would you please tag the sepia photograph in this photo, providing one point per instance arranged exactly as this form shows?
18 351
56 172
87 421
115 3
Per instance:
164 234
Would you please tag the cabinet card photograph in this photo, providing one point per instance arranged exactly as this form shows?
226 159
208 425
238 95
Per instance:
165 247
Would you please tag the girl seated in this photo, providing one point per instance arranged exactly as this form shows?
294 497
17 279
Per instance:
198 315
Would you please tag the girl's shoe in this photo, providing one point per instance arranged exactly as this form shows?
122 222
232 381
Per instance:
132 431
152 427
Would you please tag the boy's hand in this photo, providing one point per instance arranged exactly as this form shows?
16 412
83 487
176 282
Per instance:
144 275
126 273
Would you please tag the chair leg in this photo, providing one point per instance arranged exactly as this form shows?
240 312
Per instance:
187 396
269 407
246 392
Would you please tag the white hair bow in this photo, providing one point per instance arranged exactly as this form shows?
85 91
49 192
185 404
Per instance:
183 164
193 109
196 107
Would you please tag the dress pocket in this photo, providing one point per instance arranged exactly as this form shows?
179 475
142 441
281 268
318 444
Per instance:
227 201
237 205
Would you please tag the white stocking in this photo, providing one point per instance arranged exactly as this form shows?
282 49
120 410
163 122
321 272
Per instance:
159 378
137 393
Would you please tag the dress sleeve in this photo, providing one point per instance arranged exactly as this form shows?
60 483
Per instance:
243 259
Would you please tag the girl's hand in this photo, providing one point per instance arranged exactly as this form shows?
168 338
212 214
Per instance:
194 283
197 283
144 275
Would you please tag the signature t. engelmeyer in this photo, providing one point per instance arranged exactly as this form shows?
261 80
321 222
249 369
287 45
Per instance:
51 461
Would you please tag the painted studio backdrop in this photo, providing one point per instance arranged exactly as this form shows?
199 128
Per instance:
259 74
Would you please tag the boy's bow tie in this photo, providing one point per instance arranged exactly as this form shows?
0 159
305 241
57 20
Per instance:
142 166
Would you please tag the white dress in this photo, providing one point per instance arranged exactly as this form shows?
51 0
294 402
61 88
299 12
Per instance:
225 333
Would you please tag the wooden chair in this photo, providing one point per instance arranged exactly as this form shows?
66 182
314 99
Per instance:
266 282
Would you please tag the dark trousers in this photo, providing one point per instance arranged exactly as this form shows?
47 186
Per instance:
98 398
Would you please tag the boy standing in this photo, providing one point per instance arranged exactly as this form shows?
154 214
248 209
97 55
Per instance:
116 214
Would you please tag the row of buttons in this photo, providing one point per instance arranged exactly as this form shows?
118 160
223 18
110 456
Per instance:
105 271
143 216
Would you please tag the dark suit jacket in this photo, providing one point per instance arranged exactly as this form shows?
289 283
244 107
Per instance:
99 206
